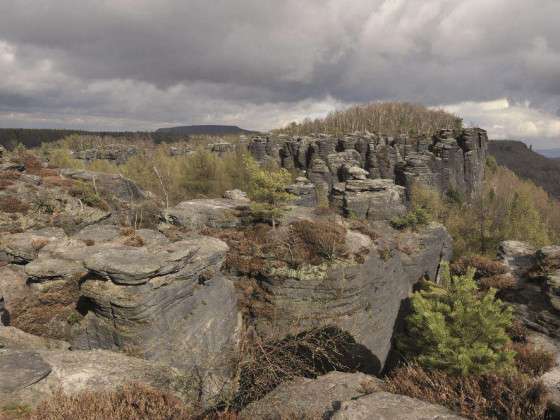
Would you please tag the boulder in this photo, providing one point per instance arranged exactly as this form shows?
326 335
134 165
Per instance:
311 398
387 406
24 247
216 213
519 257
236 195
28 377
14 338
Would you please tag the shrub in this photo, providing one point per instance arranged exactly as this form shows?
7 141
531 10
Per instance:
268 189
87 195
133 401
454 329
480 397
412 220
322 239
532 361
308 354
11 204
46 313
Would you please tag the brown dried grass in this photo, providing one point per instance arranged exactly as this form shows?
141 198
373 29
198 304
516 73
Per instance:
513 397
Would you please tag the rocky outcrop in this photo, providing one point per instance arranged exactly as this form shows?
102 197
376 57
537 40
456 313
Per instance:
362 299
370 199
136 292
27 377
117 153
447 161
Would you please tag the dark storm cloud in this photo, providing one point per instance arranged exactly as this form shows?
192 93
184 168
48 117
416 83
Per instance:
142 63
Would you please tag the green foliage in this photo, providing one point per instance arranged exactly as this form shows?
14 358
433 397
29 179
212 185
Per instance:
392 118
267 187
454 328
413 219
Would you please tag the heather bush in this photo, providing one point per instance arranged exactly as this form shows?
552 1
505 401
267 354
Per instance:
133 401
480 397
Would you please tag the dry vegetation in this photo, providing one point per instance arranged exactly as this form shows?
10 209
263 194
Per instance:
130 402
46 313
390 118
513 397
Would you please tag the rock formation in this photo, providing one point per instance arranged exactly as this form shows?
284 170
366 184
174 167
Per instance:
447 161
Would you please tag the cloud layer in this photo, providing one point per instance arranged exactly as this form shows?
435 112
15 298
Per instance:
140 64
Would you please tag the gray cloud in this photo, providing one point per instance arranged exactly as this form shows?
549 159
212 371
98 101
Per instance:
261 63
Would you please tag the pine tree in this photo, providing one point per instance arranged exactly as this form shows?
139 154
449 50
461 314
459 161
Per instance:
453 328
268 189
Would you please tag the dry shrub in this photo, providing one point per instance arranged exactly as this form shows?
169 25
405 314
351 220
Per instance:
309 354
484 266
33 165
258 249
500 282
131 238
5 183
514 397
322 240
11 175
134 240
518 331
129 402
364 228
43 313
11 204
58 181
87 194
533 361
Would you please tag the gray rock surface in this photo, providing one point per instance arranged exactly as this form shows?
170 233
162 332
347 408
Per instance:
27 377
386 406
518 256
217 213
311 398
446 161
371 199
14 338
361 299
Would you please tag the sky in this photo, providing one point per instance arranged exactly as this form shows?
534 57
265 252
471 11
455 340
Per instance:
260 64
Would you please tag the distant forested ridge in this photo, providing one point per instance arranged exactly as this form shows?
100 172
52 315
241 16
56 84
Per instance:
30 137
217 130
516 156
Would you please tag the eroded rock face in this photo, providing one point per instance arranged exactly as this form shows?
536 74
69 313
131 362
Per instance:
384 406
161 300
361 299
370 199
447 161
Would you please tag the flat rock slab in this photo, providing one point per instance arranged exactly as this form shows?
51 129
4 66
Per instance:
20 369
125 265
311 398
387 406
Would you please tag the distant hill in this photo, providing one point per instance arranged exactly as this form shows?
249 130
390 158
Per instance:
528 164
34 137
550 153
210 130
